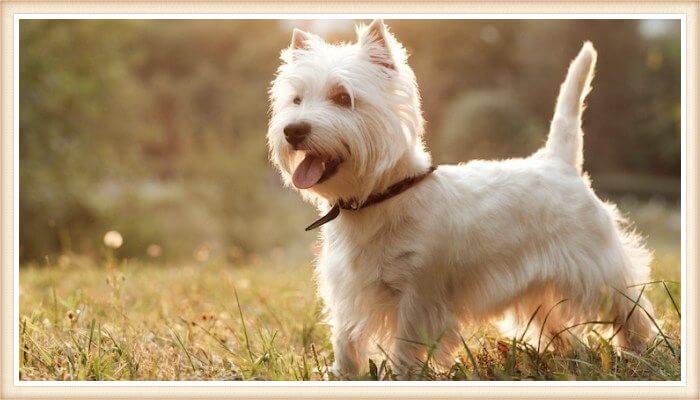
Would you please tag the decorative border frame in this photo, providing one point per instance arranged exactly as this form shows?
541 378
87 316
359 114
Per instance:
12 11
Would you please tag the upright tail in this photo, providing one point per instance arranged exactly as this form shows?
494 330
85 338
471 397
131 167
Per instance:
565 135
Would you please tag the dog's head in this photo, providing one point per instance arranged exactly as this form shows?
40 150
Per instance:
343 115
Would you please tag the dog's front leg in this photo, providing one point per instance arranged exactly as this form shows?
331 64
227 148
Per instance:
426 330
349 352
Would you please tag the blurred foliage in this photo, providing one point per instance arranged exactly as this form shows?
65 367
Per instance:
157 128
632 123
493 115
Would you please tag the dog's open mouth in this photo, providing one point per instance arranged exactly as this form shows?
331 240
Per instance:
313 170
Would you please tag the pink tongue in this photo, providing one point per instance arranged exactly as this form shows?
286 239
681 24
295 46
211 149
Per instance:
308 173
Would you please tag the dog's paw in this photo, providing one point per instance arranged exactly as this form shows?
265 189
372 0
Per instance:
404 373
339 374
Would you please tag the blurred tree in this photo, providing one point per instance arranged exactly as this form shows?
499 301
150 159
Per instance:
451 57
77 107
486 124
634 105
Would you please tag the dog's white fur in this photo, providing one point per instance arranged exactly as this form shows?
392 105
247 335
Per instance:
469 243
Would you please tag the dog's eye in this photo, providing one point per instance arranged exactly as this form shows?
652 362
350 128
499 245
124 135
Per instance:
297 100
342 99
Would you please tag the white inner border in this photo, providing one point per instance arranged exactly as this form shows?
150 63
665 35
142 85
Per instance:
17 382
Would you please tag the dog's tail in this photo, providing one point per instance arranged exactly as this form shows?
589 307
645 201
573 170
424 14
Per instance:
565 135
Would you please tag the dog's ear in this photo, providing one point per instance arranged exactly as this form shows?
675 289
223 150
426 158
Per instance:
376 41
299 39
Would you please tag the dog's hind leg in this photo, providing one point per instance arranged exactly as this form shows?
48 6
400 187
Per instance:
631 310
632 326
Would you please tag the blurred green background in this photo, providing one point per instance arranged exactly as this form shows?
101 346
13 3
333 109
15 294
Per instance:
156 128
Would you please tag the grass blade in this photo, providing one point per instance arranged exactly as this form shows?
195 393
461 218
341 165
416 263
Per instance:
675 306
471 358
245 330
182 346
529 322
544 323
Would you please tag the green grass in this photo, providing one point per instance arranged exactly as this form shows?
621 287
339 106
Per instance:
87 320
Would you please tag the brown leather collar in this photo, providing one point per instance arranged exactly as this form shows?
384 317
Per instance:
374 198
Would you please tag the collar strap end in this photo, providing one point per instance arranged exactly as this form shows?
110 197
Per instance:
330 216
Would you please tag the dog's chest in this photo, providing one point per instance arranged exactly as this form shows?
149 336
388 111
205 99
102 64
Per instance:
381 255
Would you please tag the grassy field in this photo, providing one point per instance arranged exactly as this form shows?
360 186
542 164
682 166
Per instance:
260 320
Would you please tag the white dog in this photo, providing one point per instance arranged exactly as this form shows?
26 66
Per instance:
410 253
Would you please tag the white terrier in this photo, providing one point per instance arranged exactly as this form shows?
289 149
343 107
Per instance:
417 251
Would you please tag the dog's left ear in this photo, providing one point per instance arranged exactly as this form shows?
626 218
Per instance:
299 39
376 41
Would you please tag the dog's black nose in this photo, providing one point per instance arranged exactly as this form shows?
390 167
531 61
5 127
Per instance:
296 133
